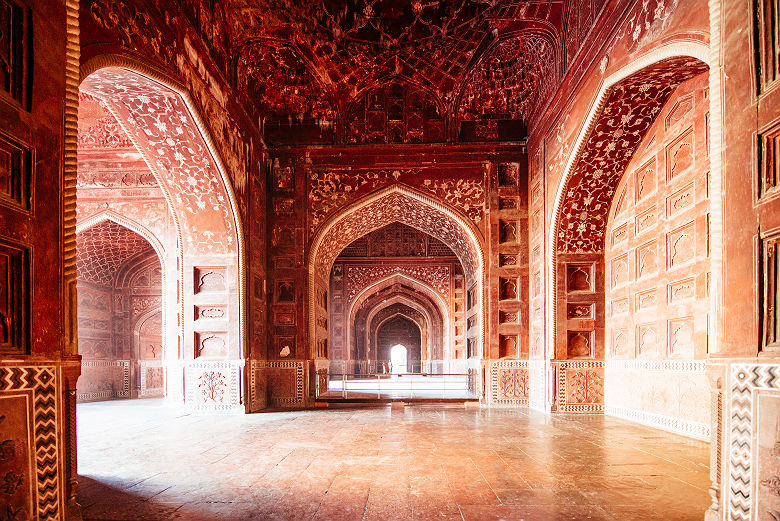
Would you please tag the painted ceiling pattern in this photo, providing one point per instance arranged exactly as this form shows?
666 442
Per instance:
101 250
396 207
282 85
162 126
510 80
351 46
628 111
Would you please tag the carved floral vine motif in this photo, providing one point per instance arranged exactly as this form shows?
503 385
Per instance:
360 277
212 386
331 190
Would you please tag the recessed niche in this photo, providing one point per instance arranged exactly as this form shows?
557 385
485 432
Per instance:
579 344
508 288
507 231
211 344
210 280
579 278
507 345
508 174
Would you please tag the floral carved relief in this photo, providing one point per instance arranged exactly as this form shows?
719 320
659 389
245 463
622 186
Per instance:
331 190
630 109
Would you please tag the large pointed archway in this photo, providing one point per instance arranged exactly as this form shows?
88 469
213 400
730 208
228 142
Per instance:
204 265
626 107
396 204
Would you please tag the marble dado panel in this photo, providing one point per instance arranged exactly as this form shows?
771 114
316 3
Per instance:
671 395
214 386
753 434
30 400
579 386
152 378
285 379
509 382
104 380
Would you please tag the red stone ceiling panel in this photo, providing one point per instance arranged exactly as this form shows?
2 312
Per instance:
352 46
163 128
511 80
628 111
101 250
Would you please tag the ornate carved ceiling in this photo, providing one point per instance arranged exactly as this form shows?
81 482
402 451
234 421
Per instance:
101 250
316 59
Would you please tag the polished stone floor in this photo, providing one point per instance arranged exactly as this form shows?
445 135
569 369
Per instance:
145 460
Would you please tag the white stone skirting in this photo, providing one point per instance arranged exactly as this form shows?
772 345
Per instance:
692 429
629 384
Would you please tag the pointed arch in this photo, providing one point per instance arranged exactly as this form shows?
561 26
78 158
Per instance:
662 69
396 203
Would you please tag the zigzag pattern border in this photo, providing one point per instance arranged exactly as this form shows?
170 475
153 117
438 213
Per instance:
745 379
42 380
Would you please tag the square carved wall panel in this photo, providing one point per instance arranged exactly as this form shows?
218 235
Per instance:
15 39
14 299
16 163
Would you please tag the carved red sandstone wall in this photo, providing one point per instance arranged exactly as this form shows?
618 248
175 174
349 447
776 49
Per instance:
657 249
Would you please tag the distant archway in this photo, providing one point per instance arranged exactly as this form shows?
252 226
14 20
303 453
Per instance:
396 203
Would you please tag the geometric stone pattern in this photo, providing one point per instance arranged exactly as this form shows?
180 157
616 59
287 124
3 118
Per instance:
746 382
101 250
40 383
